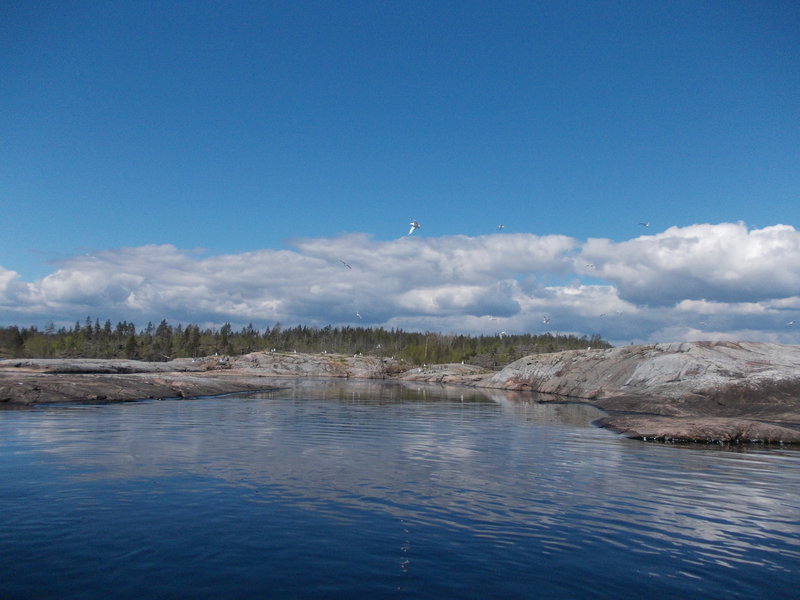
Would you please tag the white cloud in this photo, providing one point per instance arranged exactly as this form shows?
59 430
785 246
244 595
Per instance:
697 282
475 300
725 262
14 293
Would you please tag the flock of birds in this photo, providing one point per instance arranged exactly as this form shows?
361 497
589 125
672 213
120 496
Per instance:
414 225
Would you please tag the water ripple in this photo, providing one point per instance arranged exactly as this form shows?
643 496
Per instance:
362 488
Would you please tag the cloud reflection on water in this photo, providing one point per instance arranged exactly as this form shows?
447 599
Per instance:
497 465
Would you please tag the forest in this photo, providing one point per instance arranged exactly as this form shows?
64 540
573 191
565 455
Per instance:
163 342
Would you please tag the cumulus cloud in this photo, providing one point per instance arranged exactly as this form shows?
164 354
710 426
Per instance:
726 262
14 294
697 282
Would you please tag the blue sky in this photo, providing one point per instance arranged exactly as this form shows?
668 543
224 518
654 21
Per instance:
205 140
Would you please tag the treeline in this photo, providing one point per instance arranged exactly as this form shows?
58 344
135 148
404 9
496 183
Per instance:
163 342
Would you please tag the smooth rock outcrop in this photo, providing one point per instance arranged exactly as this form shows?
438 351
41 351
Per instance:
291 364
724 430
691 391
671 386
25 382
694 391
451 373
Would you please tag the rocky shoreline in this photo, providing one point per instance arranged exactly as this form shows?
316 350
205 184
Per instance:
721 392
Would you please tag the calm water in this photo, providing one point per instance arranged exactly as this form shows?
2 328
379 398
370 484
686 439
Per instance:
369 490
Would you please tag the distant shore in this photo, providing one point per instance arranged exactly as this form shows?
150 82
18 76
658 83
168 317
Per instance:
720 392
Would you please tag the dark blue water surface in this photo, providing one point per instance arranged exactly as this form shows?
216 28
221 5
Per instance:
370 490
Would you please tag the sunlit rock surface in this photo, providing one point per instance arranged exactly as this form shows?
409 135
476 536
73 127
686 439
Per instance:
736 384
694 391
289 364
38 381
454 374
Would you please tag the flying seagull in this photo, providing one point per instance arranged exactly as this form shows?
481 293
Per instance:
644 223
414 226
501 227
545 319
345 264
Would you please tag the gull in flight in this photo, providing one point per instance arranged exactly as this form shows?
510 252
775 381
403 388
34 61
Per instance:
501 227
644 223
589 266
345 264
414 226
358 315
790 323
545 319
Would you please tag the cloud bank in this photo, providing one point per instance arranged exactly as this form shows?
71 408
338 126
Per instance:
709 281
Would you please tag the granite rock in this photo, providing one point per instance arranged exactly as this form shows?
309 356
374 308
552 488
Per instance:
670 386
693 391
25 382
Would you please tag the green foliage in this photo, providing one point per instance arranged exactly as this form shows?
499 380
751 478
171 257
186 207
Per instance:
165 342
